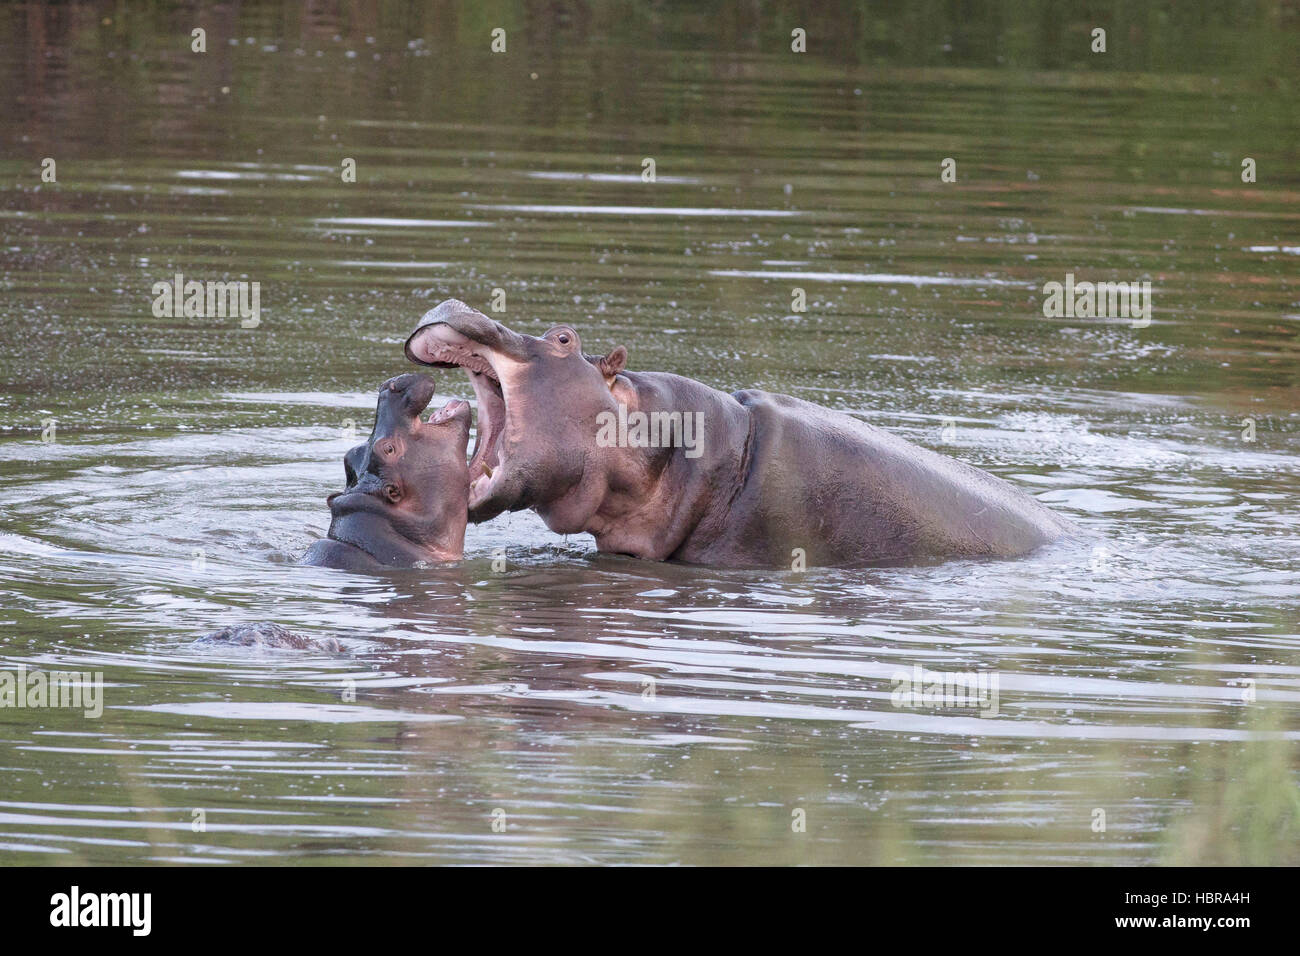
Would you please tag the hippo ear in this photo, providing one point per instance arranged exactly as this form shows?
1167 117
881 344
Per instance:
612 364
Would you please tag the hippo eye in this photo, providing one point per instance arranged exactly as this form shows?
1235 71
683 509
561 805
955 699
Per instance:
392 493
564 336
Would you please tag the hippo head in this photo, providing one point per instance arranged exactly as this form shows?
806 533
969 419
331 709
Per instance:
407 486
538 402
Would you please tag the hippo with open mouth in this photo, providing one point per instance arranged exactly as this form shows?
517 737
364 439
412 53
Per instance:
767 480
407 486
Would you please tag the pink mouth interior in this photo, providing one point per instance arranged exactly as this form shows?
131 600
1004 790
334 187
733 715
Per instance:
491 424
447 411
435 349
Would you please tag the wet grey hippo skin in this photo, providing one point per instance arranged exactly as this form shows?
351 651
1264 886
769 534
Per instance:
407 486
266 634
770 473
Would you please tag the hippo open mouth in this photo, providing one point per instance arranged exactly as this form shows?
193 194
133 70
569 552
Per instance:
533 442
491 402
407 486
439 345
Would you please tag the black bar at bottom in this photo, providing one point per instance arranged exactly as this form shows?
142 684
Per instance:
303 905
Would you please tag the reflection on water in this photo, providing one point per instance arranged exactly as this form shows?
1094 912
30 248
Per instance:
614 710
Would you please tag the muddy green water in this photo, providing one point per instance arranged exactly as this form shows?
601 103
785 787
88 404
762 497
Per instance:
600 709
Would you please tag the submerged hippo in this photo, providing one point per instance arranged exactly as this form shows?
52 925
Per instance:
407 486
266 634
595 448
